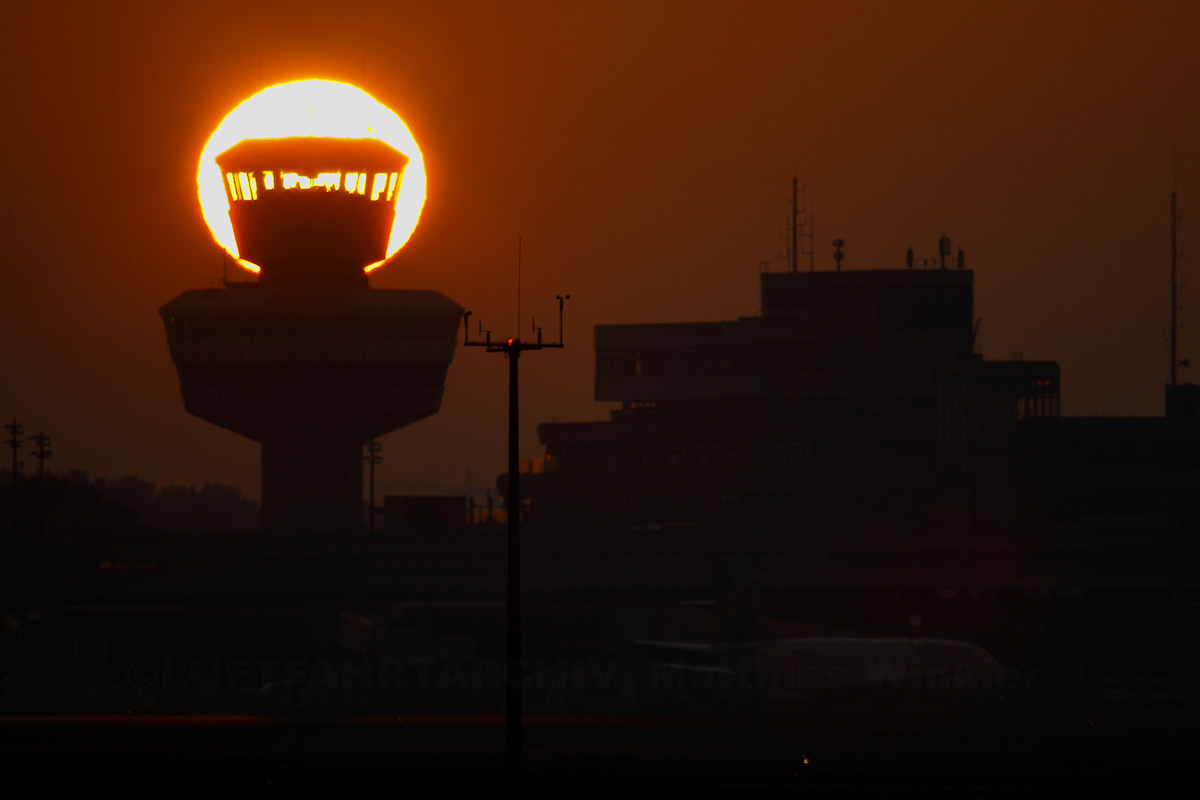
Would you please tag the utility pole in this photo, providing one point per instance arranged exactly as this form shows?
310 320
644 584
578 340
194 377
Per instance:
811 250
344 492
14 441
512 349
373 458
43 442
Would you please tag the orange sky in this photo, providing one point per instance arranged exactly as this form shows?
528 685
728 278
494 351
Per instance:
643 151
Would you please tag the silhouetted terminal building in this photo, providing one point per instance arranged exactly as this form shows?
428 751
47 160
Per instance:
309 360
1138 476
856 398
850 456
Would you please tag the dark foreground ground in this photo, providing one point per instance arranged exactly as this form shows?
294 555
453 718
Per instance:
933 752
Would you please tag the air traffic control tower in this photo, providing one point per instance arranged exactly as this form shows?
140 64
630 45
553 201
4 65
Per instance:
309 360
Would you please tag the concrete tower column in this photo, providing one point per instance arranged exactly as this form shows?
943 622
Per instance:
312 484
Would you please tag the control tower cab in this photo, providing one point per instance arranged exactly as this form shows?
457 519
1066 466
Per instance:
312 211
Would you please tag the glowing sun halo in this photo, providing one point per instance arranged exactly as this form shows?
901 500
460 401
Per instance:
311 108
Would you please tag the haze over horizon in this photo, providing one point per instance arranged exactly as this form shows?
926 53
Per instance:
644 154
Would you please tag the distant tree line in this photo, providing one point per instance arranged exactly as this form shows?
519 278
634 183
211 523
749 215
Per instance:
73 502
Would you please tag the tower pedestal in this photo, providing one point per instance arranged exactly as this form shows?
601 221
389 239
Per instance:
312 484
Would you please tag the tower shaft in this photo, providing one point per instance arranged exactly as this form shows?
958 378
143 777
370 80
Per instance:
312 484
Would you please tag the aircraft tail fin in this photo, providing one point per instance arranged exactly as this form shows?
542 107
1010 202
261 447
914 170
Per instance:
736 619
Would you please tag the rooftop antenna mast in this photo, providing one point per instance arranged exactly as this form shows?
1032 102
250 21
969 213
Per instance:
795 253
1176 253
797 230
512 348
